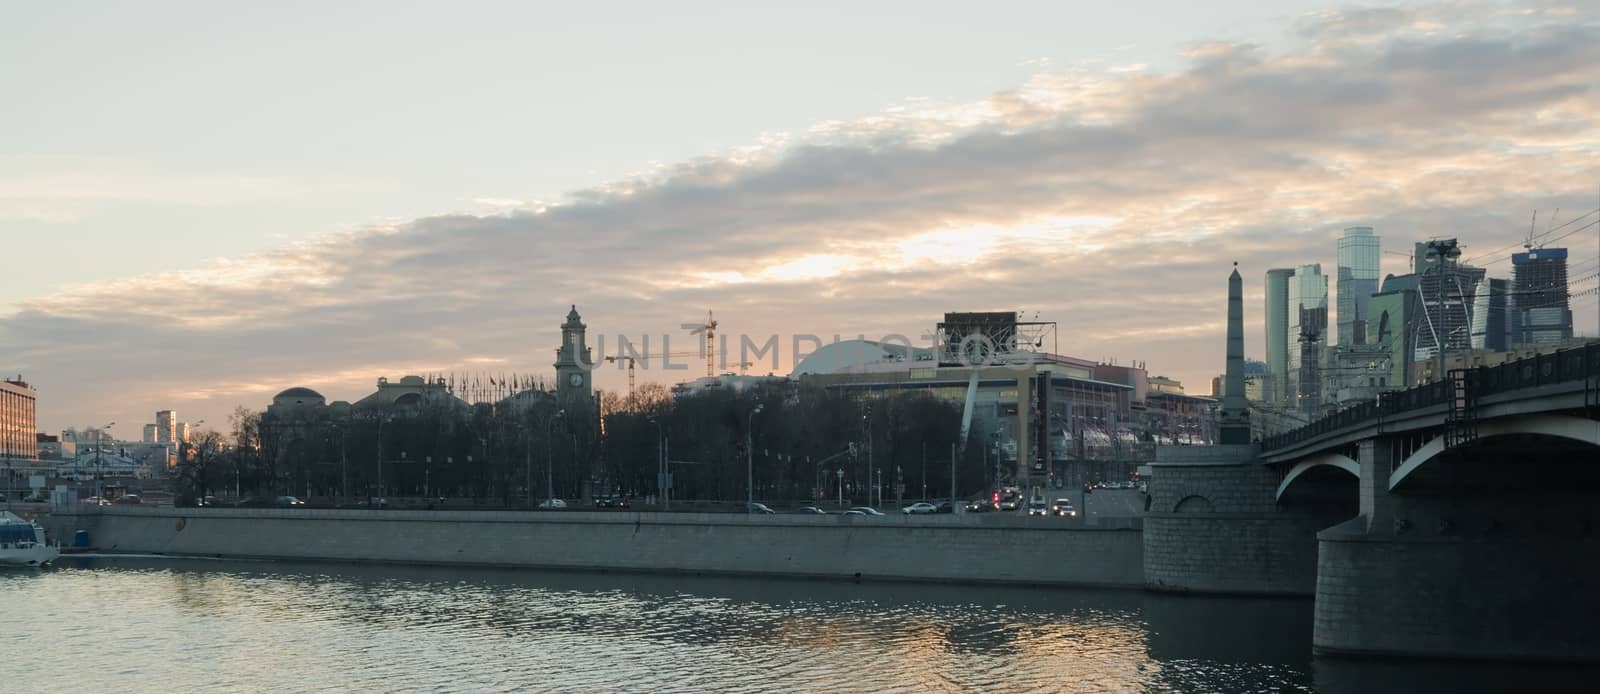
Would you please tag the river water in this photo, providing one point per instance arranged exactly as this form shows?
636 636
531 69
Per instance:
157 624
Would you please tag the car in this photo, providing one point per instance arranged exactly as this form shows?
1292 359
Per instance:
919 508
853 512
867 510
287 502
128 499
810 511
979 506
1037 507
1009 504
759 508
1063 507
552 503
946 507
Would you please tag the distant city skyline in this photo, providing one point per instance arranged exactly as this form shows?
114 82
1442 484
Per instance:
207 207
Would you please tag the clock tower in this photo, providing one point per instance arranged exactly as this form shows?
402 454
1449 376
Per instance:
572 376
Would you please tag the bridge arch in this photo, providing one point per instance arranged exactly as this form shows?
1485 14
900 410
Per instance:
1334 460
1559 426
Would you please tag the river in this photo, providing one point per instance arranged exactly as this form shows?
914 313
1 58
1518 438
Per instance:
158 624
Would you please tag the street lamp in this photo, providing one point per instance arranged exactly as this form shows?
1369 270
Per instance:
549 458
663 468
99 466
841 487
750 460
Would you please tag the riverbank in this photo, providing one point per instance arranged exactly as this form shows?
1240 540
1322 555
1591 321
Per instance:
961 548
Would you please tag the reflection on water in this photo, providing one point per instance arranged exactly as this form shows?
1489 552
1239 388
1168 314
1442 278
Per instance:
157 624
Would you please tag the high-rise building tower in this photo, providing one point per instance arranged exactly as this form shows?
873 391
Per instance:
166 426
149 433
1358 281
1308 328
18 429
1539 282
1491 319
1446 304
1277 324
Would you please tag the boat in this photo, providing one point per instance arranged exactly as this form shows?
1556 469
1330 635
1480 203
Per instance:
22 542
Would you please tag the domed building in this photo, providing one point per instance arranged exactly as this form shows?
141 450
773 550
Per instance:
299 396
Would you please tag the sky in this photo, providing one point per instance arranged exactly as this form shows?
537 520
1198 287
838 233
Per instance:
205 203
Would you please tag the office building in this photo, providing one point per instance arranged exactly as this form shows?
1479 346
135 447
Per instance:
1539 282
1307 334
1358 281
1277 324
1492 317
1446 304
149 434
18 436
166 426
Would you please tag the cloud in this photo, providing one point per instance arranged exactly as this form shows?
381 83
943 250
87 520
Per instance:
1112 201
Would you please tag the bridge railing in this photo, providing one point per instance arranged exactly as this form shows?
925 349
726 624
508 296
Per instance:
1542 369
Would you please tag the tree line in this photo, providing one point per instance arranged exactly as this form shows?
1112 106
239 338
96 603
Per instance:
806 443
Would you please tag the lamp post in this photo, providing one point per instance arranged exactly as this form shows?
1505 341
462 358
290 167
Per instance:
841 487
1441 250
750 460
99 465
549 457
662 468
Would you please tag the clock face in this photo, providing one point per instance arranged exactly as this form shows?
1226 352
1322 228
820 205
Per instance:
576 380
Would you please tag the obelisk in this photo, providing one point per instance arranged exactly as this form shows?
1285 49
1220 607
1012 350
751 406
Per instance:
1235 410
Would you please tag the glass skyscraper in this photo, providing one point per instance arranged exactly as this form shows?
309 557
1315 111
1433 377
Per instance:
1307 334
1276 384
1358 281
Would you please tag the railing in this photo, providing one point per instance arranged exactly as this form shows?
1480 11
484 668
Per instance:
1562 366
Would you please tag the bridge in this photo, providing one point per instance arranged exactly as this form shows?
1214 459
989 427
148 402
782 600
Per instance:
1456 519
1549 403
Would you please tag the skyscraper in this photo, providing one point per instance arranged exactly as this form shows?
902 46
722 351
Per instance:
1277 324
1308 327
1490 315
1358 281
1539 282
1446 304
166 426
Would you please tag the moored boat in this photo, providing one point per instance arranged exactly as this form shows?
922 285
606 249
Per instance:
22 542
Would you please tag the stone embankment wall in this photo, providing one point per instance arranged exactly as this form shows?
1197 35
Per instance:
987 548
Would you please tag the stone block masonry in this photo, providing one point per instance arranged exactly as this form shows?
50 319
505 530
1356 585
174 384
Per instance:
958 549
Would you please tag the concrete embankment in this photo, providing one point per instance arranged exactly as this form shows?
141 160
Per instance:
976 548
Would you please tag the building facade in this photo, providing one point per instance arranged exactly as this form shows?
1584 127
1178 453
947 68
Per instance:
1358 281
1308 327
1539 282
1277 325
166 426
18 427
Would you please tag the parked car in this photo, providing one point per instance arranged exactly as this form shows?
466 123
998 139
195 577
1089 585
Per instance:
759 508
853 512
552 503
867 510
919 508
810 511
287 502
1063 507
946 507
128 499
1037 507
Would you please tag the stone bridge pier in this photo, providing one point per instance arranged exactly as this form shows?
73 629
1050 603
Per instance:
1216 525
1488 550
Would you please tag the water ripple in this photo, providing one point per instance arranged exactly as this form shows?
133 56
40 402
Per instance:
174 625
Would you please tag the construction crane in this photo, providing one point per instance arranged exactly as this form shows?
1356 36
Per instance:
632 381
709 328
